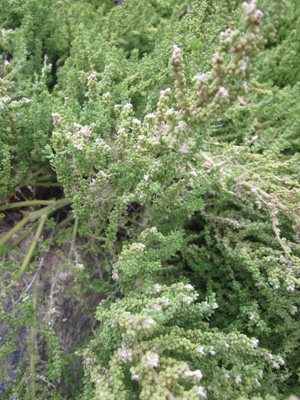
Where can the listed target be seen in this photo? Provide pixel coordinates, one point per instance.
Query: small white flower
(166, 302)
(150, 115)
(183, 149)
(115, 276)
(170, 111)
(290, 288)
(135, 377)
(5, 31)
(140, 246)
(124, 353)
(200, 350)
(197, 374)
(80, 267)
(270, 356)
(153, 229)
(238, 379)
(227, 345)
(257, 381)
(215, 305)
(157, 288)
(246, 87)
(281, 360)
(149, 321)
(201, 78)
(261, 373)
(85, 130)
(223, 93)
(152, 359)
(183, 368)
(189, 299)
(166, 91)
(182, 125)
(255, 342)
(56, 119)
(136, 121)
(157, 307)
(216, 55)
(201, 392)
(189, 287)
(127, 105)
(146, 177)
(212, 352)
(252, 316)
(91, 76)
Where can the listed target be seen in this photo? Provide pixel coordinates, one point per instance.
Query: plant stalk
(32, 338)
(20, 273)
(53, 206)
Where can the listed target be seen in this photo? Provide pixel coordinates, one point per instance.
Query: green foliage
(172, 127)
(157, 336)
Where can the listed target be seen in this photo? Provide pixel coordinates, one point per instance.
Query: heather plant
(159, 337)
(174, 137)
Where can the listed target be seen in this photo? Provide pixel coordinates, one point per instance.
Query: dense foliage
(171, 128)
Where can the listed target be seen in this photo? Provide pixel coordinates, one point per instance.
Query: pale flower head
(91, 76)
(197, 374)
(182, 125)
(201, 392)
(149, 321)
(124, 353)
(281, 360)
(201, 78)
(157, 288)
(152, 359)
(201, 351)
(166, 302)
(115, 276)
(223, 93)
(189, 299)
(165, 92)
(149, 116)
(183, 149)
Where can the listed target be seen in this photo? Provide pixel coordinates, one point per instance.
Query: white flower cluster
(152, 359)
(197, 374)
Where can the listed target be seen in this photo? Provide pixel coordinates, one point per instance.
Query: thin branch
(36, 273)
